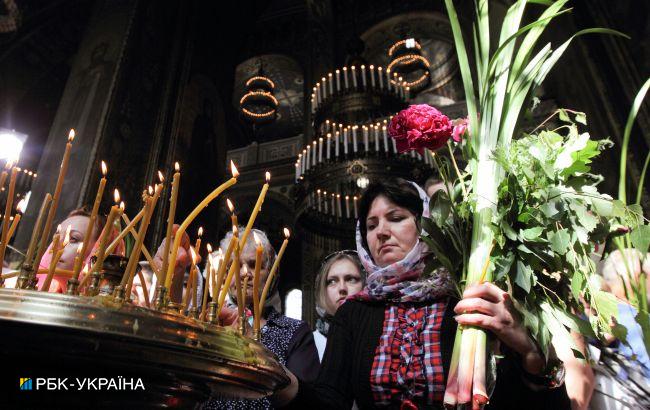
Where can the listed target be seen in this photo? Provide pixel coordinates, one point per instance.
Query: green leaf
(573, 322)
(507, 230)
(606, 305)
(577, 284)
(440, 207)
(644, 321)
(563, 115)
(560, 241)
(641, 238)
(581, 118)
(638, 100)
(642, 178)
(502, 265)
(533, 234)
(524, 276)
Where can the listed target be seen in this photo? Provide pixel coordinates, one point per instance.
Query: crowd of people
(384, 334)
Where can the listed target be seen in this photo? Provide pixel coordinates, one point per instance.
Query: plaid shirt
(408, 360)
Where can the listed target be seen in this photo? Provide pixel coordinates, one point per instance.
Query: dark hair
(398, 191)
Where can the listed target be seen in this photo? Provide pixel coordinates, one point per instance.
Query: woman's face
(78, 225)
(343, 280)
(247, 269)
(391, 231)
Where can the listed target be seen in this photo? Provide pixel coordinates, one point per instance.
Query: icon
(25, 383)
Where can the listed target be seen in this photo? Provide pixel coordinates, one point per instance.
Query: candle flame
(122, 205)
(209, 248)
(22, 204)
(200, 231)
(104, 168)
(230, 205)
(71, 135)
(177, 166)
(150, 189)
(245, 269)
(193, 255)
(116, 196)
(161, 177)
(286, 233)
(85, 269)
(66, 238)
(347, 197)
(257, 239)
(268, 176)
(233, 170)
(235, 230)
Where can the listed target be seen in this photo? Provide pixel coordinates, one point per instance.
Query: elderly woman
(340, 276)
(290, 339)
(390, 347)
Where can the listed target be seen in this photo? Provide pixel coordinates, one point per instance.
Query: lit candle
(302, 162)
(363, 75)
(336, 144)
(408, 92)
(385, 135)
(329, 141)
(20, 210)
(318, 94)
(130, 228)
(78, 261)
(380, 74)
(7, 215)
(179, 234)
(233, 216)
(320, 149)
(274, 269)
(93, 218)
(234, 241)
(256, 210)
(189, 289)
(345, 77)
(338, 80)
(388, 82)
(308, 157)
(259, 249)
(297, 172)
(354, 138)
(37, 229)
(314, 152)
(319, 199)
(324, 81)
(327, 126)
(5, 174)
(401, 87)
(325, 202)
(365, 138)
(355, 207)
(347, 206)
(345, 141)
(338, 205)
(354, 76)
(207, 281)
(57, 195)
(331, 84)
(394, 145)
(135, 252)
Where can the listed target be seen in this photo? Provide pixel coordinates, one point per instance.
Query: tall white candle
(354, 76)
(345, 77)
(345, 141)
(336, 144)
(372, 76)
(408, 92)
(412, 154)
(354, 138)
(331, 83)
(388, 83)
(327, 126)
(401, 87)
(319, 200)
(297, 171)
(338, 80)
(365, 138)
(302, 162)
(314, 152)
(308, 157)
(394, 145)
(319, 98)
(320, 149)
(325, 201)
(356, 214)
(375, 131)
(385, 135)
(363, 75)
(333, 205)
(380, 74)
(324, 82)
(347, 206)
(329, 142)
(338, 205)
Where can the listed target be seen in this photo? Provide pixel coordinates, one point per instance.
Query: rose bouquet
(524, 213)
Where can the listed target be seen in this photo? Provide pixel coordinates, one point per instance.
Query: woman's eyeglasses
(350, 252)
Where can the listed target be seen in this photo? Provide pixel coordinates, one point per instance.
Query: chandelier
(407, 62)
(259, 105)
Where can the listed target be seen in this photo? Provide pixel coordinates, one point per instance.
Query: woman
(391, 346)
(291, 340)
(78, 221)
(340, 276)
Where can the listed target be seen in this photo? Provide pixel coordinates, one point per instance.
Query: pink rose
(460, 128)
(418, 127)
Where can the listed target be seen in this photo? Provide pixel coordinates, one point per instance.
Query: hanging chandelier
(407, 62)
(259, 105)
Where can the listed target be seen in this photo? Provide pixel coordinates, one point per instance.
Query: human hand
(487, 306)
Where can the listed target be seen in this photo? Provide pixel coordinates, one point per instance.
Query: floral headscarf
(402, 281)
